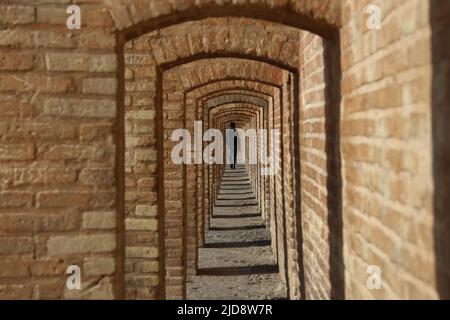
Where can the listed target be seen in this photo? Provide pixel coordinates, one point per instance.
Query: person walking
(232, 145)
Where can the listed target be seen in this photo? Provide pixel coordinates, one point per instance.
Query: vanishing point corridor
(236, 261)
(115, 179)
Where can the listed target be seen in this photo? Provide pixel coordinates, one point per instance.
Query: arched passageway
(106, 159)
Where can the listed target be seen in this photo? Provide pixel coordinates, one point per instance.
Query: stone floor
(237, 260)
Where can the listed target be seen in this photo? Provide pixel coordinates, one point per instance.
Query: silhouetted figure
(233, 147)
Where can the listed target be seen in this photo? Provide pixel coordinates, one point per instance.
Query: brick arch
(149, 282)
(159, 73)
(251, 92)
(204, 92)
(234, 82)
(243, 114)
(219, 119)
(332, 148)
(257, 86)
(253, 113)
(243, 120)
(270, 86)
(236, 91)
(223, 87)
(132, 19)
(245, 105)
(235, 100)
(281, 64)
(192, 247)
(234, 112)
(228, 98)
(247, 96)
(218, 98)
(220, 52)
(230, 107)
(226, 92)
(224, 100)
(266, 88)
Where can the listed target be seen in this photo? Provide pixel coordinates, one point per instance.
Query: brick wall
(439, 21)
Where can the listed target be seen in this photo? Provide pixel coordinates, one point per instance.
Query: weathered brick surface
(363, 173)
(215, 67)
(60, 245)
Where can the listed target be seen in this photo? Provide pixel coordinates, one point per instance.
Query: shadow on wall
(334, 177)
(440, 24)
(332, 78)
(297, 179)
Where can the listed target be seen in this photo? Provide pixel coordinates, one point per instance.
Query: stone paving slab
(237, 203)
(235, 211)
(244, 287)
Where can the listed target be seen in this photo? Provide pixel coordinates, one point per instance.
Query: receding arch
(201, 56)
(304, 16)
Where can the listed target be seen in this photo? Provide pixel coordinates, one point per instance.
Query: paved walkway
(237, 260)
